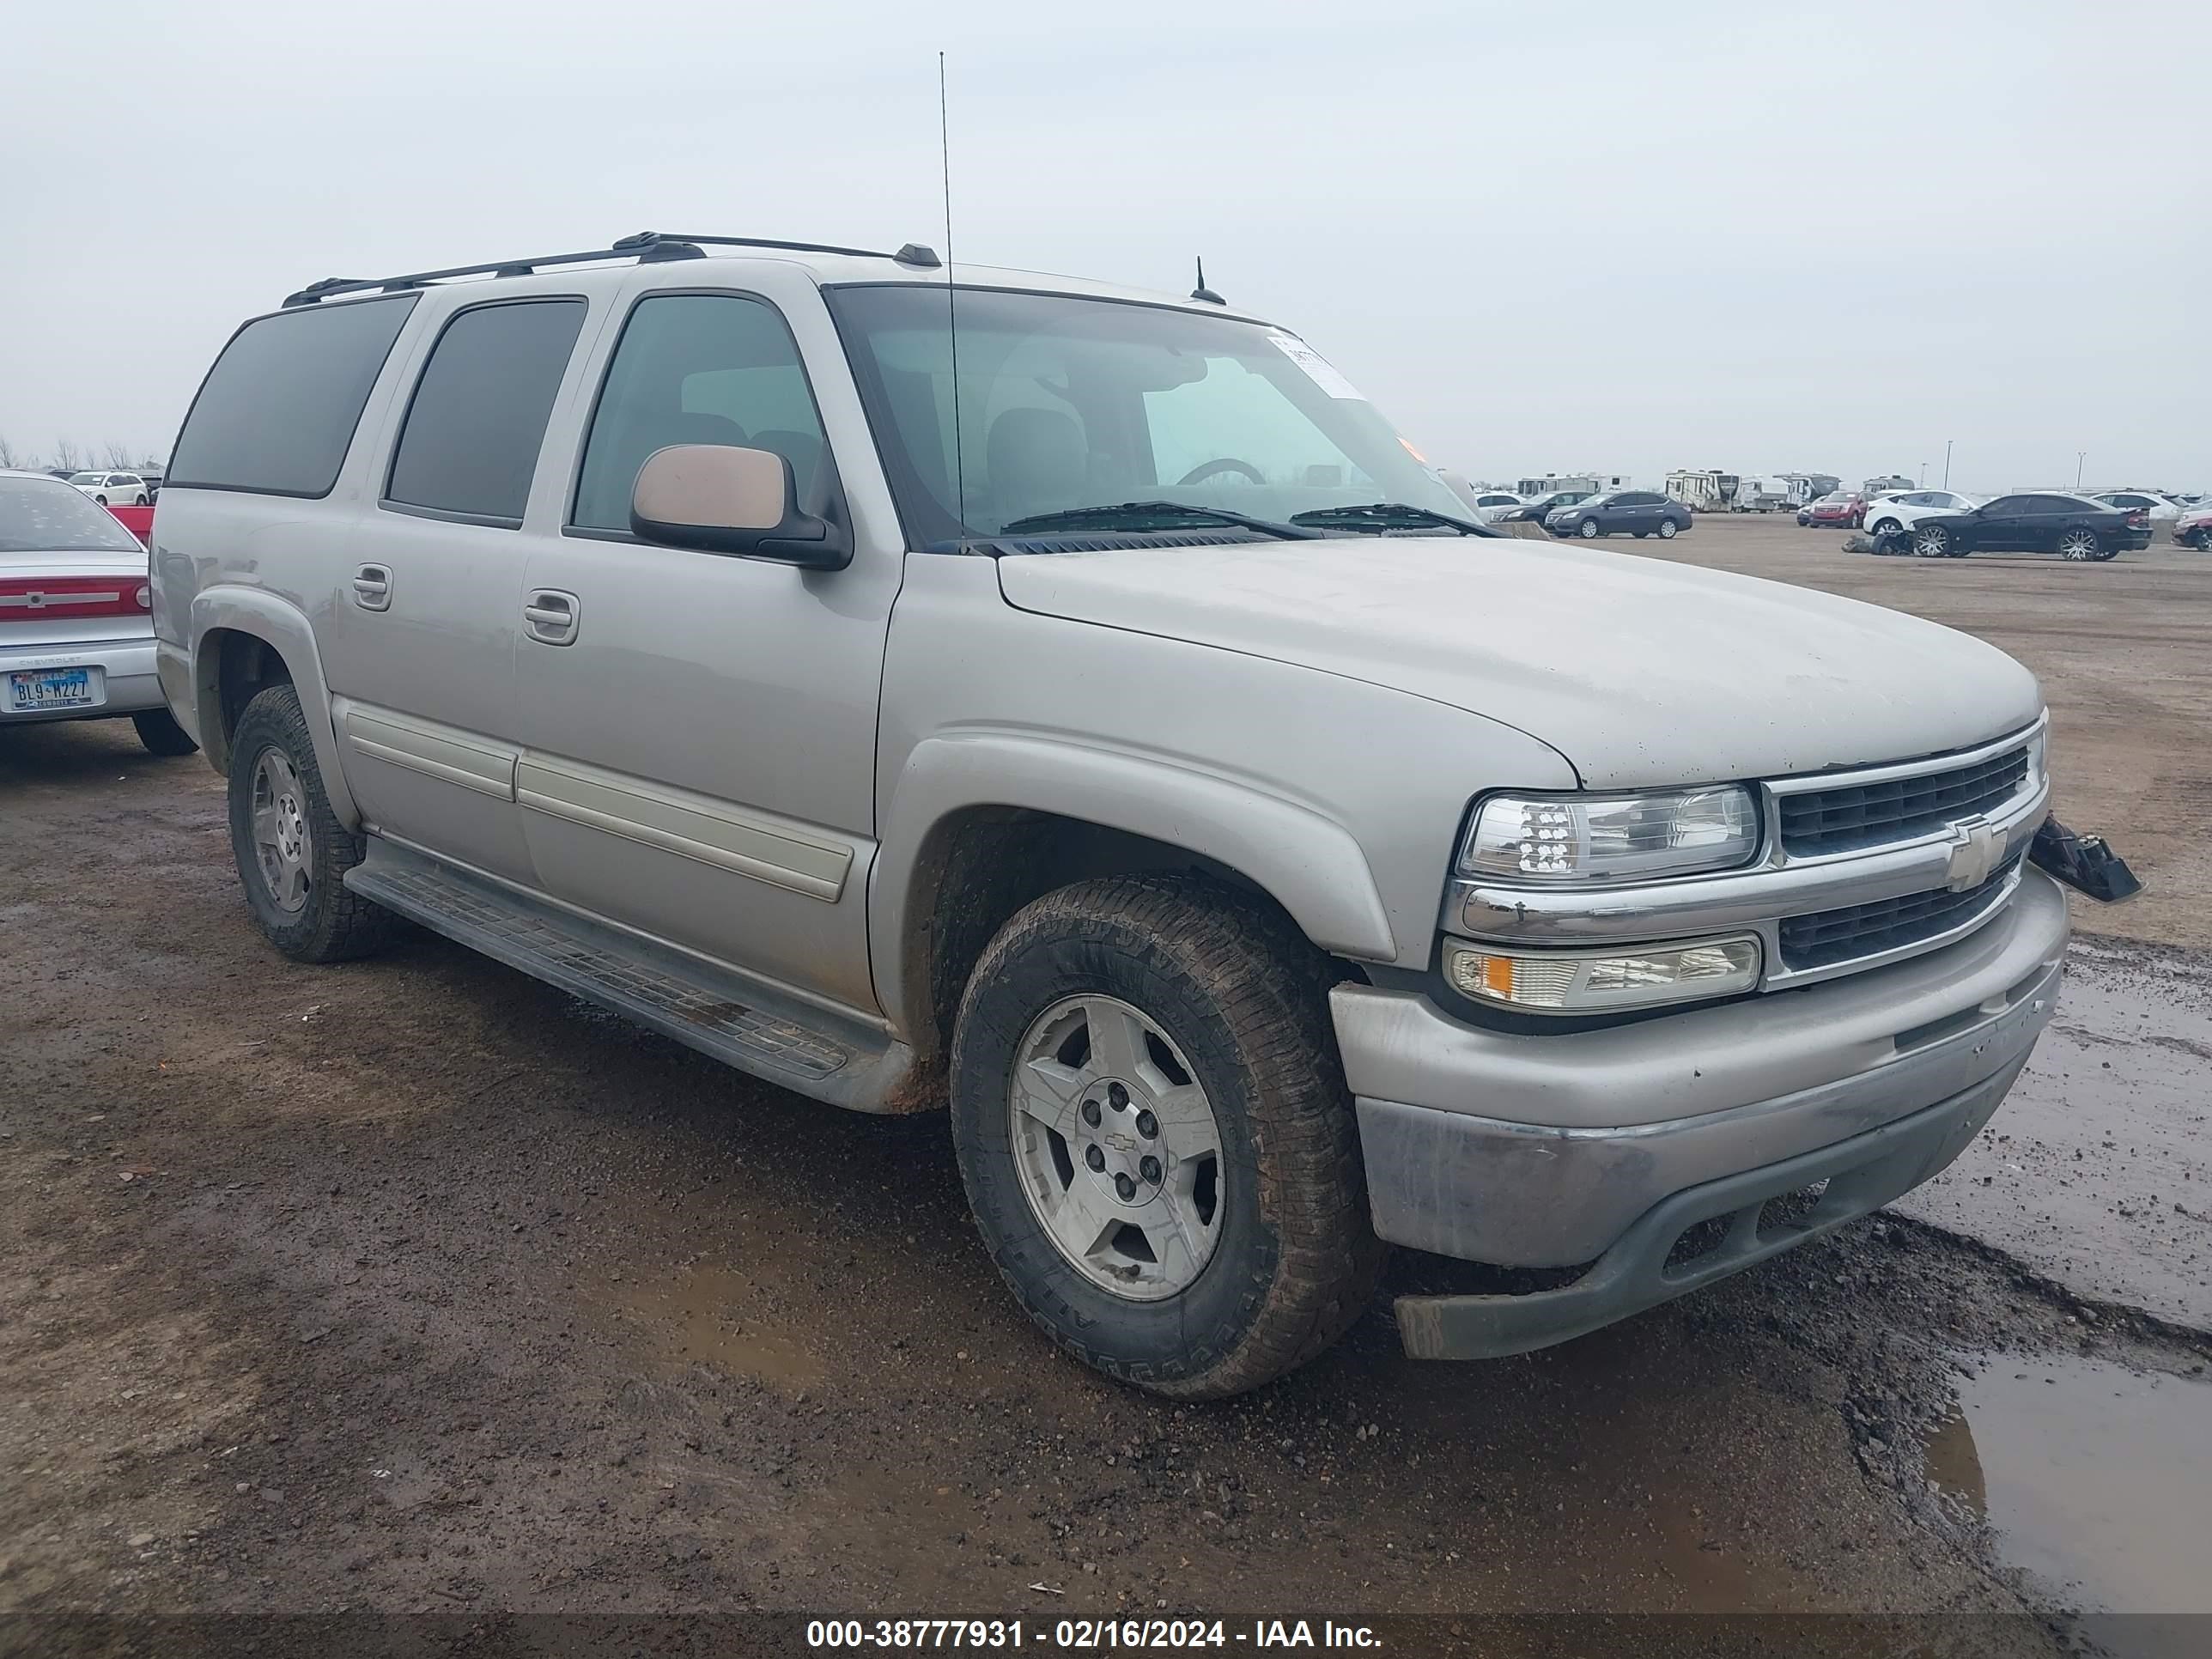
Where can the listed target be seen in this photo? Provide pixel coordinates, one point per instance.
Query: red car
(1839, 509)
(2194, 527)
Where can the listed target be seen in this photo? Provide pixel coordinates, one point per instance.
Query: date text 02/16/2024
(1083, 1634)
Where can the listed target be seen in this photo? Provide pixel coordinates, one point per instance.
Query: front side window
(468, 445)
(1068, 404)
(276, 413)
(698, 368)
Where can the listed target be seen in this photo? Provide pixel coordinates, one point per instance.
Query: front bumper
(1561, 1150)
(127, 676)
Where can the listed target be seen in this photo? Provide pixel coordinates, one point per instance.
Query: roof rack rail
(646, 247)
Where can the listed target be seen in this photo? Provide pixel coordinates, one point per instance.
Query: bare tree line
(70, 456)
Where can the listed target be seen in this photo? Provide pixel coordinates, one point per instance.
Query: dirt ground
(414, 1287)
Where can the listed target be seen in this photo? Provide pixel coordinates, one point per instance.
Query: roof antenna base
(1202, 292)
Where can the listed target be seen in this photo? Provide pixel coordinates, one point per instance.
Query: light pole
(1924, 475)
(1947, 463)
(2081, 456)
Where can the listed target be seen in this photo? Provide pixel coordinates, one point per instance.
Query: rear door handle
(372, 587)
(551, 616)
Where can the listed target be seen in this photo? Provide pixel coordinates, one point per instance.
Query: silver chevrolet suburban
(1082, 705)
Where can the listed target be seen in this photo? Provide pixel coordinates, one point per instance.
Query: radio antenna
(951, 305)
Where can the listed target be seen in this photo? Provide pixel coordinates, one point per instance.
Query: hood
(1640, 671)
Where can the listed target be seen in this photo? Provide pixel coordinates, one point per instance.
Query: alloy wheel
(282, 846)
(1117, 1147)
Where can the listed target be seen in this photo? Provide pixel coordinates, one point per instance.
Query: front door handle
(550, 617)
(372, 587)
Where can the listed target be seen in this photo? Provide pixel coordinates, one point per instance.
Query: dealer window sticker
(1318, 369)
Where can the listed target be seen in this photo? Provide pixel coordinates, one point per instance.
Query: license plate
(40, 690)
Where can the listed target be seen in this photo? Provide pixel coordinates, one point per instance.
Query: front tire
(158, 730)
(1153, 1129)
(102, 499)
(1588, 530)
(291, 850)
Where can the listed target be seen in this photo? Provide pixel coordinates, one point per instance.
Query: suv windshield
(38, 515)
(1068, 404)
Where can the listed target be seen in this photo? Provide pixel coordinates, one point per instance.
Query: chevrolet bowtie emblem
(1978, 848)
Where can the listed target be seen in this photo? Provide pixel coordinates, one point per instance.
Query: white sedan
(112, 489)
(1901, 509)
(2161, 509)
(1491, 505)
(76, 615)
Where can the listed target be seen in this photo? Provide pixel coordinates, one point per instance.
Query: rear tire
(141, 499)
(2080, 546)
(1237, 1000)
(1933, 541)
(158, 730)
(314, 918)
(1667, 530)
(1887, 527)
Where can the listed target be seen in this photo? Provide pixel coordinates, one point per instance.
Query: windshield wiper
(1378, 516)
(1147, 515)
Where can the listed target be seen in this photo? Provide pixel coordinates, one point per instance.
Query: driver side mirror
(718, 498)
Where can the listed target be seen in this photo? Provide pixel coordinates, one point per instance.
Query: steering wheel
(1206, 470)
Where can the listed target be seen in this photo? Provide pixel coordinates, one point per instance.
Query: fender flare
(1308, 863)
(284, 628)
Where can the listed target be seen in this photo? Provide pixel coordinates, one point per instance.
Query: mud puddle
(2097, 1480)
(2097, 1171)
(704, 1315)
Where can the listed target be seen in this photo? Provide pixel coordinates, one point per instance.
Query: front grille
(1853, 817)
(1828, 937)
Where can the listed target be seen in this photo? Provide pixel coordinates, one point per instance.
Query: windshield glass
(38, 515)
(1067, 402)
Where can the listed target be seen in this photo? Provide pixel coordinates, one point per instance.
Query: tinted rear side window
(279, 408)
(470, 443)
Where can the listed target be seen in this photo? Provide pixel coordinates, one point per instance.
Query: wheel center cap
(1112, 1143)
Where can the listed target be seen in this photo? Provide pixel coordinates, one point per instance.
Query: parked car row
(2074, 527)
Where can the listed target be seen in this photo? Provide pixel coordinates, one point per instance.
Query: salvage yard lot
(2124, 653)
(415, 1284)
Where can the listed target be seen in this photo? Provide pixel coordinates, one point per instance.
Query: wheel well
(241, 666)
(981, 865)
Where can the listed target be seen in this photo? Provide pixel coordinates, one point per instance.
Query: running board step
(769, 1033)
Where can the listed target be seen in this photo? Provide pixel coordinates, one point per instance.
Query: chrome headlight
(1612, 837)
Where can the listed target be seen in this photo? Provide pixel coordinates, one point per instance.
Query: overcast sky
(1541, 236)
